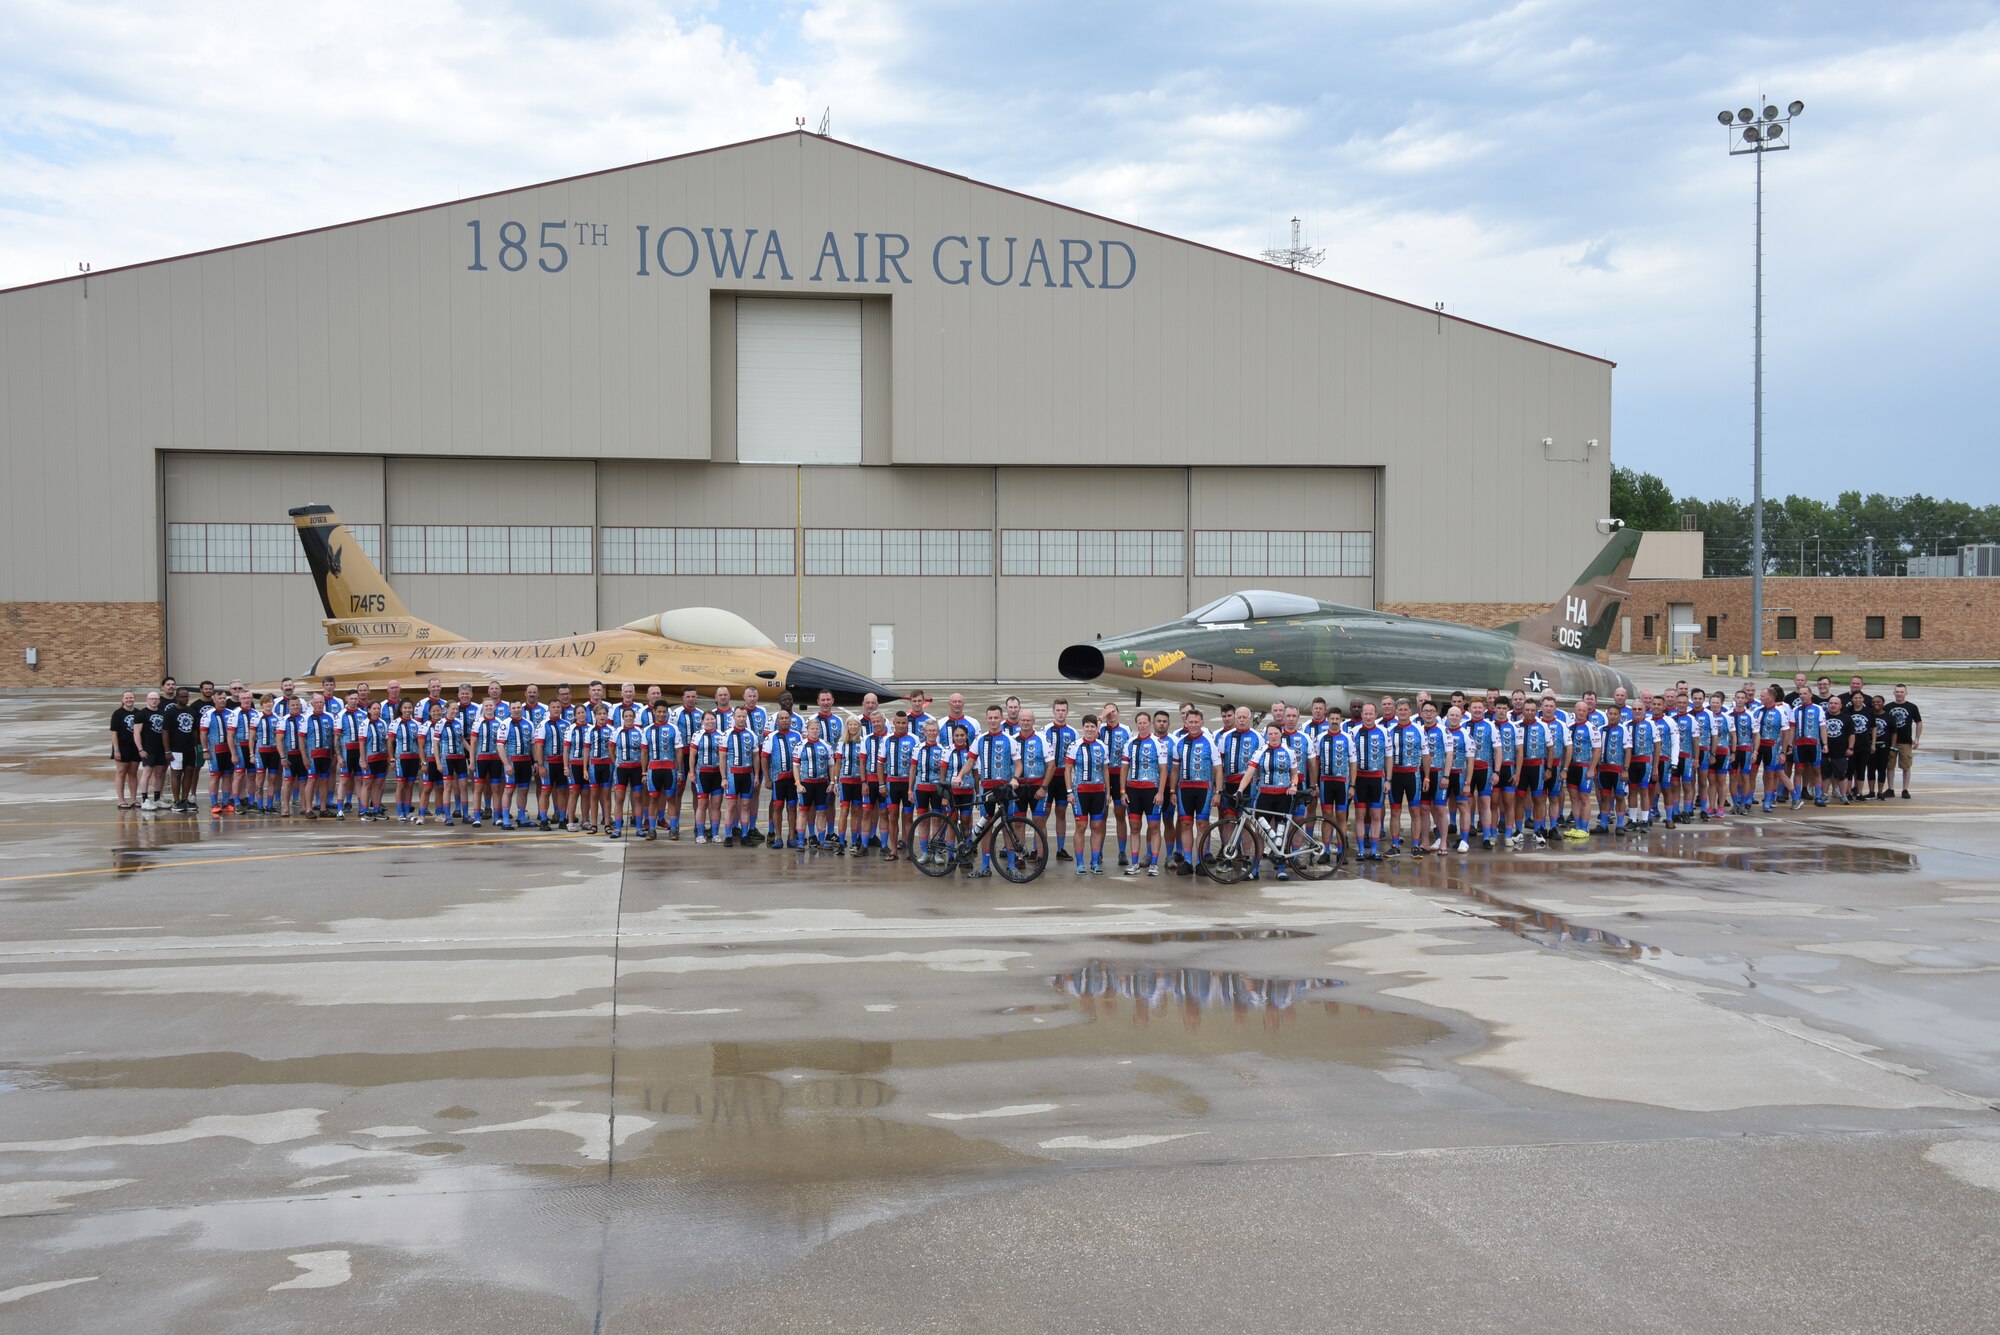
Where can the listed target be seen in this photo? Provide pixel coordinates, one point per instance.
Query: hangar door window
(489, 549)
(697, 551)
(899, 551)
(1263, 552)
(251, 549)
(1068, 551)
(798, 381)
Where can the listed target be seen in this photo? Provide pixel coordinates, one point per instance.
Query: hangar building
(929, 428)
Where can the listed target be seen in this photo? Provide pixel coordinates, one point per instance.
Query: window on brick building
(1913, 628)
(1648, 631)
(1875, 629)
(1822, 628)
(1788, 628)
(1711, 628)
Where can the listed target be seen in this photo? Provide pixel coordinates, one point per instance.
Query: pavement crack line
(611, 1096)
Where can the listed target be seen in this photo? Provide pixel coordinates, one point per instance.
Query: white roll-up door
(798, 381)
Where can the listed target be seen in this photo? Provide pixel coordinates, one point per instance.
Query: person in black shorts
(125, 750)
(1837, 749)
(1859, 712)
(151, 725)
(184, 749)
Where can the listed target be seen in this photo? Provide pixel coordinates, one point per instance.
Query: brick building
(1882, 618)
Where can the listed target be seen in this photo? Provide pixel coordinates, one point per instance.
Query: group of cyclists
(1508, 771)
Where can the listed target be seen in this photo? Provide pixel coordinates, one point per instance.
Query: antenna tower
(825, 122)
(1297, 255)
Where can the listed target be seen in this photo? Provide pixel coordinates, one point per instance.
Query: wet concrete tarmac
(260, 1075)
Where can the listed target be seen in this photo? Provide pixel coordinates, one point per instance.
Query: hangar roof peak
(803, 136)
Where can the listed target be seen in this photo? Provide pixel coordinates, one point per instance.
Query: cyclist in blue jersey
(850, 759)
(518, 752)
(1332, 774)
(1197, 770)
(780, 751)
(628, 786)
(406, 748)
(1148, 760)
(1116, 738)
(1613, 744)
(1458, 774)
(1274, 774)
(996, 765)
(707, 760)
(896, 751)
(812, 769)
(1406, 763)
(742, 748)
(1086, 770)
(1059, 737)
(1808, 744)
(374, 760)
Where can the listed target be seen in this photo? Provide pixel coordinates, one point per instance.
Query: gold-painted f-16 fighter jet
(1256, 646)
(374, 639)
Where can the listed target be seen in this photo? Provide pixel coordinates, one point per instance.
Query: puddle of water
(1961, 753)
(1812, 860)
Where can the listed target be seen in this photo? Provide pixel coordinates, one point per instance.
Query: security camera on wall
(1610, 525)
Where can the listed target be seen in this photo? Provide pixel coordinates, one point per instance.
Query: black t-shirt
(1836, 734)
(1792, 698)
(153, 731)
(1861, 716)
(122, 720)
(183, 728)
(1903, 716)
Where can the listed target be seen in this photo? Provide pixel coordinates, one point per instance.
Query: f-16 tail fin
(360, 606)
(1581, 620)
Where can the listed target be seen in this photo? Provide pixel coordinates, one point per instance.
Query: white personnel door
(882, 652)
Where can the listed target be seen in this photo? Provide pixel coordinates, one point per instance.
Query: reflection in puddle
(1960, 753)
(1207, 934)
(1098, 986)
(1811, 860)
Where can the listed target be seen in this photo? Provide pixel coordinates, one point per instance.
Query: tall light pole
(1750, 132)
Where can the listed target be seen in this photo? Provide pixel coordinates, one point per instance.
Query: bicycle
(1017, 844)
(1314, 849)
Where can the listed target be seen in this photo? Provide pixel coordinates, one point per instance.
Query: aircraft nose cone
(809, 676)
(1081, 662)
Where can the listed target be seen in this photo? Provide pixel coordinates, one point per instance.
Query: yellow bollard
(1714, 664)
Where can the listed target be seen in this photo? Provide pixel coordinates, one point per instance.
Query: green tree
(1643, 501)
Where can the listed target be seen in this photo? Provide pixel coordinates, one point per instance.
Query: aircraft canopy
(1254, 605)
(703, 625)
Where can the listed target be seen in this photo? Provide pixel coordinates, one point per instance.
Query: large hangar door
(798, 381)
(239, 600)
(1296, 530)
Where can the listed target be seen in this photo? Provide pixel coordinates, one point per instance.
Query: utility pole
(1758, 135)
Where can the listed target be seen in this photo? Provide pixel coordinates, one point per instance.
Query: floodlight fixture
(1795, 108)
(1726, 117)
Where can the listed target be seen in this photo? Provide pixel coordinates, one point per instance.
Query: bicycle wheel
(934, 844)
(1322, 857)
(1020, 850)
(1225, 861)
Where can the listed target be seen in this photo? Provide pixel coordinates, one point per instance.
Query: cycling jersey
(1197, 759)
(1276, 767)
(1089, 764)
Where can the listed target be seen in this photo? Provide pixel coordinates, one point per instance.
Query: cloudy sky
(1551, 167)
